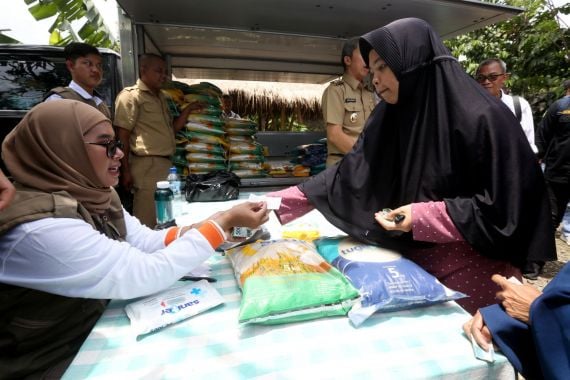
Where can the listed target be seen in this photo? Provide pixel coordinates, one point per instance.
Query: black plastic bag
(212, 187)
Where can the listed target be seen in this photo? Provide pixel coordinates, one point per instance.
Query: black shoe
(532, 269)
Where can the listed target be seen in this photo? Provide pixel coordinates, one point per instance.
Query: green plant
(93, 31)
(534, 46)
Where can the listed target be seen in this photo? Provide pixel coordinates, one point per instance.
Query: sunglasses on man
(491, 77)
(110, 145)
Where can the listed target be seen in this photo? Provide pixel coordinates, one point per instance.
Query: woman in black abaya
(448, 157)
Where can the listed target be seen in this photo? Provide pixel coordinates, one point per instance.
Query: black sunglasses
(111, 146)
(491, 77)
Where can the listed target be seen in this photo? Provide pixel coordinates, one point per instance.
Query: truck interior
(296, 41)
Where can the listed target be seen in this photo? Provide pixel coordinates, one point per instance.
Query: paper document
(273, 203)
(488, 356)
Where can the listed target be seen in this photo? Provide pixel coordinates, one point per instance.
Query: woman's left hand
(476, 327)
(390, 221)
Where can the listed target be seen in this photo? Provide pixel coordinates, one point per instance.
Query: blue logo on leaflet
(179, 307)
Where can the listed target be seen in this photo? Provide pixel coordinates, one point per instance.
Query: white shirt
(68, 257)
(527, 123)
(77, 88)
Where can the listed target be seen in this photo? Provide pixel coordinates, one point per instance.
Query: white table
(424, 343)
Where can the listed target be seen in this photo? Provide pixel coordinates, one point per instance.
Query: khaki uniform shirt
(146, 115)
(346, 102)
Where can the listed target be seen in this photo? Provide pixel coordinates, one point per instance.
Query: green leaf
(54, 37)
(87, 30)
(43, 10)
(4, 39)
(92, 31)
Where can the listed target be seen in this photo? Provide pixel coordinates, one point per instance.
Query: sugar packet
(171, 306)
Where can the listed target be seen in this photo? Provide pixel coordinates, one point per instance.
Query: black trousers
(559, 195)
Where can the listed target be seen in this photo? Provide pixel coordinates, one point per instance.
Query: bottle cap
(173, 170)
(163, 184)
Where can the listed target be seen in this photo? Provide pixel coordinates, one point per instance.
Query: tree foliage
(93, 30)
(533, 45)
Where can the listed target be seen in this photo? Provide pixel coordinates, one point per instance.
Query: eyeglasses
(491, 77)
(111, 145)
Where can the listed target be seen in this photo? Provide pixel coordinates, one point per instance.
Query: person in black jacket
(553, 142)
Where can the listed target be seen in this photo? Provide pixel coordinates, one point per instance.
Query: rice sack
(287, 281)
(385, 279)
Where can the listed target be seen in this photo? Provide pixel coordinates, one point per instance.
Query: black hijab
(447, 140)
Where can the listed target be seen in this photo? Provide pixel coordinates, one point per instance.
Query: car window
(25, 79)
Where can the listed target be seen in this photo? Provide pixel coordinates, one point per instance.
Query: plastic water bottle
(163, 202)
(174, 180)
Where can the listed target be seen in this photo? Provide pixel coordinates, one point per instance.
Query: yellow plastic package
(300, 230)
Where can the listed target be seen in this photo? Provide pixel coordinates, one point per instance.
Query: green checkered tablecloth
(423, 343)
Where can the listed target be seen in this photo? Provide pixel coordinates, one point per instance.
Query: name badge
(350, 100)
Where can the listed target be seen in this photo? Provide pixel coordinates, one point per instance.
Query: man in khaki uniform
(144, 123)
(346, 104)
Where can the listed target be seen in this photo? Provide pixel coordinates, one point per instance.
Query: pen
(197, 278)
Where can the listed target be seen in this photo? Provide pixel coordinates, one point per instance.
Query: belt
(336, 154)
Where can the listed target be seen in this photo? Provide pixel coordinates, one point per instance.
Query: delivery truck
(295, 41)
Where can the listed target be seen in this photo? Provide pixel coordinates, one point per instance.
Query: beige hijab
(46, 151)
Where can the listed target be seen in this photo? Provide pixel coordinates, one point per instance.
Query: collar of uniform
(142, 86)
(84, 94)
(351, 81)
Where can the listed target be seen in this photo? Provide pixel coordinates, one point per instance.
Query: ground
(553, 267)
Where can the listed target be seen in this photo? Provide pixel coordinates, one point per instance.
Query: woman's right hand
(247, 214)
(515, 298)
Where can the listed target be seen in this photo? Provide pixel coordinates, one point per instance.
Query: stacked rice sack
(280, 168)
(201, 145)
(245, 156)
(310, 159)
(206, 149)
(174, 93)
(210, 143)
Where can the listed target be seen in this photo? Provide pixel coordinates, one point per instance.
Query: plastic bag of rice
(386, 280)
(287, 281)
